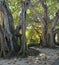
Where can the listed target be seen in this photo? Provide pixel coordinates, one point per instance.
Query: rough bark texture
(8, 38)
(47, 35)
(23, 44)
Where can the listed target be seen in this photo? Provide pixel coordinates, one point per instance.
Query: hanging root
(2, 45)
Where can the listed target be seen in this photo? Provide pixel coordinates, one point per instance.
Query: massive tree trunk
(9, 38)
(11, 29)
(48, 35)
(23, 47)
(44, 37)
(10, 34)
(2, 46)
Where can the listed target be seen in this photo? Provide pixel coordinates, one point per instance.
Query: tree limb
(54, 20)
(40, 19)
(26, 2)
(44, 8)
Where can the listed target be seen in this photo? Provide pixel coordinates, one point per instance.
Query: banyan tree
(47, 35)
(48, 25)
(8, 40)
(9, 35)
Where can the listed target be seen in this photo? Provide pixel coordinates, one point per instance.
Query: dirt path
(45, 57)
(56, 62)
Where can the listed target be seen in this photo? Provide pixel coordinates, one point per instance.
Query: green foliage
(31, 34)
(32, 37)
(53, 6)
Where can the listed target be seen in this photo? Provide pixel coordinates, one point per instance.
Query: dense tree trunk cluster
(8, 39)
(47, 30)
(9, 35)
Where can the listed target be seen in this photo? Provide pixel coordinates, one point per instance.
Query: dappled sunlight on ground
(45, 56)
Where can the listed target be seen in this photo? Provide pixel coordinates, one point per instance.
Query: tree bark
(24, 47)
(47, 34)
(9, 38)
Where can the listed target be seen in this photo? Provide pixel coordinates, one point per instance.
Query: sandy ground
(45, 57)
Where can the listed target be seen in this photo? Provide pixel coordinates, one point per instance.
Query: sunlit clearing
(28, 11)
(56, 38)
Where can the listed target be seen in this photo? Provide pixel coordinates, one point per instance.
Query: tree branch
(54, 20)
(24, 8)
(44, 7)
(40, 19)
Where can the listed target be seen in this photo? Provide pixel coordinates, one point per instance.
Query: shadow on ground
(56, 62)
(33, 52)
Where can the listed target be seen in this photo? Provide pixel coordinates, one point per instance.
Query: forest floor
(42, 56)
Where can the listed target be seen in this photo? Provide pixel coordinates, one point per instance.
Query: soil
(37, 56)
